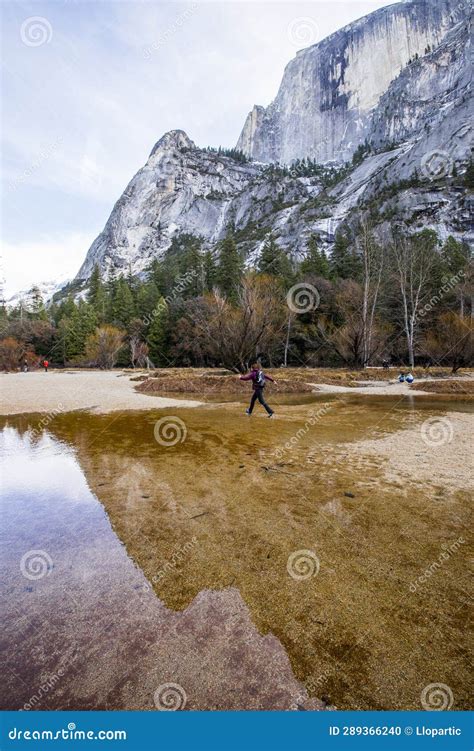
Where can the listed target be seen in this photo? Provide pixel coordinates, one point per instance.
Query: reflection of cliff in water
(84, 630)
(220, 510)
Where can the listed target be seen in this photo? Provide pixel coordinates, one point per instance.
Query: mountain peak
(173, 139)
(330, 90)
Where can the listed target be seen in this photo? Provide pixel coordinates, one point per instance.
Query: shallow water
(169, 563)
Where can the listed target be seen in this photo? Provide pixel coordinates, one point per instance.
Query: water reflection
(81, 627)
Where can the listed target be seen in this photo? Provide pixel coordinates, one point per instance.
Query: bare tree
(452, 342)
(235, 334)
(103, 346)
(138, 352)
(372, 255)
(415, 261)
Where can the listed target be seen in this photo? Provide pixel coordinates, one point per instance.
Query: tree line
(404, 299)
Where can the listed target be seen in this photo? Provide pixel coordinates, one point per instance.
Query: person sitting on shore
(258, 378)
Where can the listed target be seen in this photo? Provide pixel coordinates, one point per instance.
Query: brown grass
(464, 387)
(212, 384)
(206, 381)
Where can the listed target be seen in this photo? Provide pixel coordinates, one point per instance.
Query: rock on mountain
(179, 188)
(330, 91)
(397, 80)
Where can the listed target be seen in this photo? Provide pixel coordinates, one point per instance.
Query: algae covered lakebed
(254, 563)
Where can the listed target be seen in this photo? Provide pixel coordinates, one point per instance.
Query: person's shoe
(269, 416)
(247, 412)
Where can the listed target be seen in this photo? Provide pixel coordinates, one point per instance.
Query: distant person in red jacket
(258, 378)
(45, 365)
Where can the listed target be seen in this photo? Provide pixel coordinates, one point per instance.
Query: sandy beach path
(68, 390)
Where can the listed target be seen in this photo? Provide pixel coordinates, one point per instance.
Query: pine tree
(209, 271)
(72, 343)
(156, 276)
(86, 321)
(274, 261)
(36, 305)
(191, 268)
(96, 295)
(123, 306)
(148, 296)
(156, 335)
(230, 269)
(345, 263)
(316, 261)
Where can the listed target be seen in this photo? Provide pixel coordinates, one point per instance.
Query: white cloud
(42, 260)
(82, 112)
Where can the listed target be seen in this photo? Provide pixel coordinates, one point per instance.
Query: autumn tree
(451, 342)
(13, 352)
(103, 346)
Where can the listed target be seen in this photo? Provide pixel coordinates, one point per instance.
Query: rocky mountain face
(396, 81)
(330, 91)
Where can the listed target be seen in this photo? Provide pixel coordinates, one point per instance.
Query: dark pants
(258, 394)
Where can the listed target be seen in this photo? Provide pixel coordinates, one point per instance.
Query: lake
(200, 559)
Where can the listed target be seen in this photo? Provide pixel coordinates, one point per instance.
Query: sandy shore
(68, 390)
(104, 391)
(381, 388)
(437, 451)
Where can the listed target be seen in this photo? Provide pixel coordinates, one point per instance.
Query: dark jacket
(253, 376)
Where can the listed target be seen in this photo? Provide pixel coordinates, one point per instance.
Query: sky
(89, 86)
